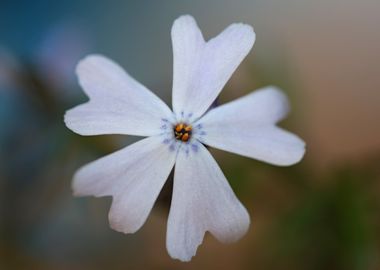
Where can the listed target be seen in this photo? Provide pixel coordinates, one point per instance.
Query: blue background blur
(320, 214)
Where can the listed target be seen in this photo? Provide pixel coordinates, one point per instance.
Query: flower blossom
(202, 199)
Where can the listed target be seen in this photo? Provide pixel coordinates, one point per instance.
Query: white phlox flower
(202, 199)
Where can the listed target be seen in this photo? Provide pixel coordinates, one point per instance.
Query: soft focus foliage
(320, 214)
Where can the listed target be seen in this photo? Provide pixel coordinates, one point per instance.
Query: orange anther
(182, 132)
(179, 127)
(185, 137)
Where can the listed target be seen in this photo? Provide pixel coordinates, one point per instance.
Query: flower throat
(182, 132)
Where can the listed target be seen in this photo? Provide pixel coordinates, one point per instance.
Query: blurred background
(322, 213)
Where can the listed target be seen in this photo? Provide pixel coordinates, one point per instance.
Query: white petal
(134, 177)
(247, 127)
(264, 106)
(202, 201)
(202, 69)
(118, 103)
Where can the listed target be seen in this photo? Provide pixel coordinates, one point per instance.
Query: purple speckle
(194, 147)
(165, 120)
(163, 127)
(199, 126)
(203, 133)
(166, 141)
(172, 147)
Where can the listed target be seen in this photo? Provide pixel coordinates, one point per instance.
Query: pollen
(182, 132)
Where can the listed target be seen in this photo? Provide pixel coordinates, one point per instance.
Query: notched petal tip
(119, 226)
(236, 232)
(186, 258)
(302, 152)
(183, 259)
(82, 184)
(244, 27)
(246, 31)
(89, 60)
(76, 186)
(185, 18)
(184, 255)
(185, 25)
(274, 89)
(90, 65)
(74, 122)
(67, 120)
(296, 157)
(279, 97)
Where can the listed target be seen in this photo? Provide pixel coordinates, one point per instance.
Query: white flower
(202, 199)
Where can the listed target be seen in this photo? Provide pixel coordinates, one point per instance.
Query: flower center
(182, 132)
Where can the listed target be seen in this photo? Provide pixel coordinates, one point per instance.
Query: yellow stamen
(182, 132)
